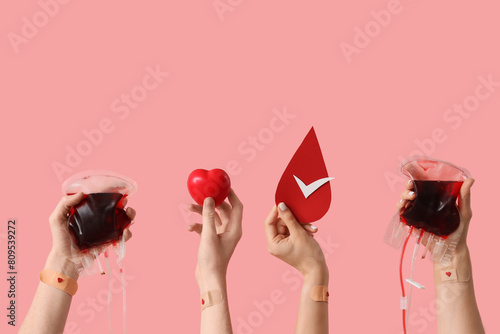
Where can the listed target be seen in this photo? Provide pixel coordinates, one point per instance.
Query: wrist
(208, 280)
(460, 256)
(319, 275)
(212, 284)
(458, 271)
(62, 264)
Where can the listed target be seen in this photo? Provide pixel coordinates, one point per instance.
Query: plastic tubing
(110, 287)
(412, 272)
(401, 278)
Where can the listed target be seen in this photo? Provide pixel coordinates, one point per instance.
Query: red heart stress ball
(214, 183)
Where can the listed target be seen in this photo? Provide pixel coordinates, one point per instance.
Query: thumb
(464, 199)
(60, 214)
(287, 216)
(209, 230)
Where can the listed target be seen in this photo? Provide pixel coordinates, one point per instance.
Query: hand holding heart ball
(214, 183)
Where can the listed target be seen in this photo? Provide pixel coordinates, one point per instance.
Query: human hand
(59, 258)
(464, 208)
(219, 235)
(292, 242)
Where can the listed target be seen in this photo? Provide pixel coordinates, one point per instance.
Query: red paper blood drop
(305, 186)
(202, 302)
(59, 279)
(214, 183)
(448, 273)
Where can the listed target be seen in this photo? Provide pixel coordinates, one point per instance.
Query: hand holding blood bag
(434, 209)
(434, 212)
(99, 219)
(98, 222)
(436, 185)
(432, 217)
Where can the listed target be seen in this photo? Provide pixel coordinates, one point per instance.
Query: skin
(50, 307)
(458, 313)
(294, 244)
(219, 235)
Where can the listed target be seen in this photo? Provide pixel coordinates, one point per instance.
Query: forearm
(50, 307)
(313, 315)
(215, 319)
(457, 308)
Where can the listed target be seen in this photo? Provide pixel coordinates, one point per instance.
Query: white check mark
(307, 190)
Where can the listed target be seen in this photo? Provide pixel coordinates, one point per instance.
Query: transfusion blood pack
(432, 217)
(99, 219)
(97, 224)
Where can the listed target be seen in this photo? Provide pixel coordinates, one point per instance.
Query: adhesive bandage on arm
(210, 298)
(59, 281)
(319, 293)
(453, 275)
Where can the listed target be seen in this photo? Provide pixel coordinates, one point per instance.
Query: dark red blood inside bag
(98, 219)
(434, 208)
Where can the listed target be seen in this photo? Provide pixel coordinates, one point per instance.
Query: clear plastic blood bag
(433, 214)
(96, 224)
(432, 217)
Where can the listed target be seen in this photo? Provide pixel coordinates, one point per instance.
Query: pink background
(226, 76)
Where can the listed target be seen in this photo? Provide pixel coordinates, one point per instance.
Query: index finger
(236, 215)
(291, 222)
(237, 206)
(464, 198)
(270, 225)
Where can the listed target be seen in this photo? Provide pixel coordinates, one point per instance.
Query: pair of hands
(288, 240)
(60, 255)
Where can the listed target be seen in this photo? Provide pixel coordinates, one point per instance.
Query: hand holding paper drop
(214, 183)
(305, 185)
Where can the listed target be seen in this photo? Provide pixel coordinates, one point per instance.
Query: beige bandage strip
(211, 298)
(59, 281)
(457, 275)
(319, 293)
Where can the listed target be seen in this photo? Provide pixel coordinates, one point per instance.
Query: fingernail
(401, 200)
(410, 193)
(314, 227)
(283, 206)
(409, 181)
